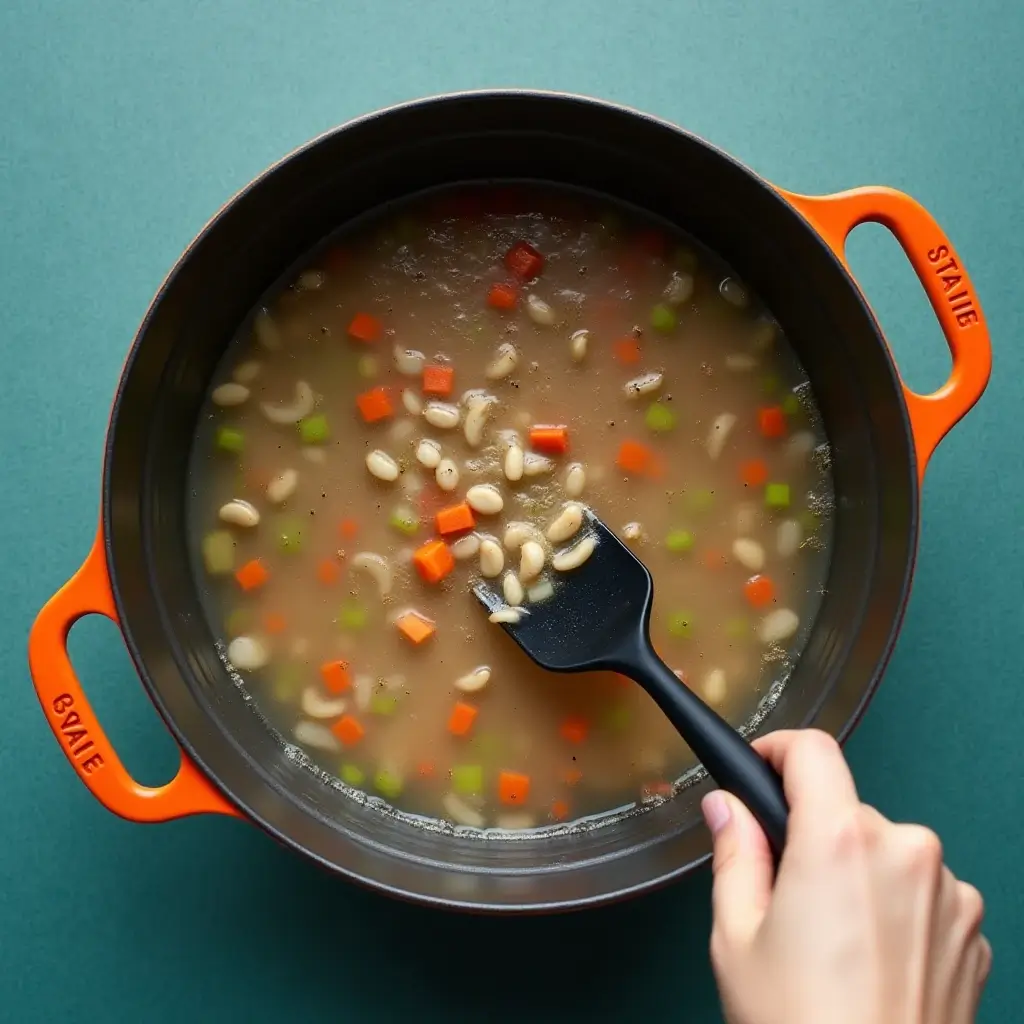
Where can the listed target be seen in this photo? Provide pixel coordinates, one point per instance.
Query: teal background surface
(123, 127)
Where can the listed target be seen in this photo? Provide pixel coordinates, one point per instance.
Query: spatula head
(597, 612)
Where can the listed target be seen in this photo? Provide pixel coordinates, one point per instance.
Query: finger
(971, 983)
(743, 870)
(817, 780)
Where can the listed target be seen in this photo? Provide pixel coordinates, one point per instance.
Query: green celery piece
(286, 682)
(791, 405)
(663, 318)
(702, 499)
(776, 496)
(388, 783)
(383, 704)
(618, 719)
(468, 779)
(367, 367)
(404, 520)
(353, 615)
(679, 541)
(289, 536)
(660, 418)
(352, 774)
(314, 429)
(230, 440)
(680, 625)
(219, 552)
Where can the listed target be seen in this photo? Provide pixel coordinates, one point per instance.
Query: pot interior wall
(383, 158)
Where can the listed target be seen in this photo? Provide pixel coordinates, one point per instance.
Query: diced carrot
(365, 327)
(713, 559)
(524, 261)
(415, 627)
(328, 571)
(348, 730)
(433, 561)
(572, 776)
(771, 421)
(274, 622)
(513, 787)
(438, 380)
(502, 296)
(461, 719)
(375, 405)
(627, 350)
(426, 769)
(336, 676)
(574, 729)
(650, 789)
(554, 440)
(634, 457)
(754, 473)
(348, 528)
(252, 575)
(559, 810)
(759, 591)
(454, 519)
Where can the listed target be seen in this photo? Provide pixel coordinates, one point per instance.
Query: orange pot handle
(74, 723)
(945, 281)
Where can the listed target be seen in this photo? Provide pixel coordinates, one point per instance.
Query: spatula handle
(730, 760)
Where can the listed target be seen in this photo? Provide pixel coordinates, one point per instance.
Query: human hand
(864, 924)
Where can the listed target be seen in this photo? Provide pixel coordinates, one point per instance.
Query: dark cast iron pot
(788, 248)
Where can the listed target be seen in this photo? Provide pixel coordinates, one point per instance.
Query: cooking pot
(788, 248)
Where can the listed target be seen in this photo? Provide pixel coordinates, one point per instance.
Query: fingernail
(716, 811)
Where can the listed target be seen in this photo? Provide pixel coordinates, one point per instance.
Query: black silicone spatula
(598, 618)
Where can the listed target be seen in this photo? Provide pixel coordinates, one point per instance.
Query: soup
(429, 400)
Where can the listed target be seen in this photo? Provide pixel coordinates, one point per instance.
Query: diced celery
(314, 429)
(229, 439)
(367, 367)
(289, 536)
(540, 591)
(663, 318)
(809, 520)
(219, 552)
(352, 615)
(702, 499)
(660, 418)
(770, 384)
(383, 704)
(618, 719)
(791, 405)
(680, 625)
(286, 682)
(776, 496)
(679, 541)
(352, 774)
(468, 779)
(405, 520)
(388, 783)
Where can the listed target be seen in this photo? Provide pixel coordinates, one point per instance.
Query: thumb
(743, 869)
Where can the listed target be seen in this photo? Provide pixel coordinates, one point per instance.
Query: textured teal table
(125, 125)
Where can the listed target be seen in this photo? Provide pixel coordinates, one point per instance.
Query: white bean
(508, 616)
(428, 453)
(740, 362)
(247, 654)
(679, 289)
(476, 419)
(283, 486)
(485, 499)
(377, 568)
(515, 821)
(714, 686)
(539, 311)
(401, 431)
(382, 466)
(315, 734)
(578, 345)
(267, 334)
(239, 512)
(466, 547)
(447, 475)
(229, 394)
(408, 361)
(460, 812)
(633, 531)
(310, 280)
(514, 463)
(540, 591)
(247, 372)
(512, 588)
(564, 561)
(575, 479)
(505, 360)
(412, 402)
(719, 433)
(567, 524)
(473, 681)
(316, 705)
(788, 536)
(442, 415)
(517, 534)
(291, 412)
(733, 292)
(535, 465)
(778, 625)
(531, 561)
(800, 445)
(748, 553)
(645, 384)
(492, 559)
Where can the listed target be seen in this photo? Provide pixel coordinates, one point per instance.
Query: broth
(404, 371)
